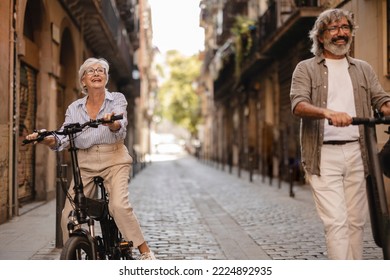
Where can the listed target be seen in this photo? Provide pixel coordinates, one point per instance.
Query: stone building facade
(43, 43)
(245, 84)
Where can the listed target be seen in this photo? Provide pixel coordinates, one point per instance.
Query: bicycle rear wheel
(77, 248)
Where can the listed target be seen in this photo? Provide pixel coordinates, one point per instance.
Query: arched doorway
(28, 99)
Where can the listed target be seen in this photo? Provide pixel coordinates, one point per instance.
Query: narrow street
(189, 209)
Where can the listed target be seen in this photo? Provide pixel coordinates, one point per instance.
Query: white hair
(88, 63)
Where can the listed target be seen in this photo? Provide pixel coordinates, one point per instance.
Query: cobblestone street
(191, 210)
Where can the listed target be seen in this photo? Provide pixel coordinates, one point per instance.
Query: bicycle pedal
(125, 244)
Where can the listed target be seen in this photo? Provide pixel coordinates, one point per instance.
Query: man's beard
(329, 45)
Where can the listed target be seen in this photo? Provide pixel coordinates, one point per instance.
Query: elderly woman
(101, 150)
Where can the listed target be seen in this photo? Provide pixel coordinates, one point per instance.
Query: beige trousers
(113, 163)
(341, 201)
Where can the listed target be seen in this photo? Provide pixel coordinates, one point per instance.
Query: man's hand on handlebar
(339, 119)
(385, 109)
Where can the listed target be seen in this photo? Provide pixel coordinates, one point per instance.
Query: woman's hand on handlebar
(49, 141)
(339, 119)
(112, 125)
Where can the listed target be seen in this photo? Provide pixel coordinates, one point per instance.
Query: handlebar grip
(113, 118)
(38, 139)
(26, 141)
(116, 117)
(356, 121)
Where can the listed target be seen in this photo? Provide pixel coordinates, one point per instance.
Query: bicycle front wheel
(77, 248)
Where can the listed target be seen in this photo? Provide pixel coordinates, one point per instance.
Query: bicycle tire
(77, 248)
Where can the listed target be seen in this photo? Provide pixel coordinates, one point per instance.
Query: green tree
(177, 98)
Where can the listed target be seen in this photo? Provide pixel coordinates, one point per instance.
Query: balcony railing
(104, 32)
(277, 25)
(276, 15)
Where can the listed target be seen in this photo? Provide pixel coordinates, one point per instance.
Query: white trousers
(341, 200)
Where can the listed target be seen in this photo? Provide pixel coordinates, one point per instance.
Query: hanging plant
(242, 34)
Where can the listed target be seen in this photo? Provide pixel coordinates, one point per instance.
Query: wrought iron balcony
(276, 30)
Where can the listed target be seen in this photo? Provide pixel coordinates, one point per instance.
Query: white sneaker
(147, 256)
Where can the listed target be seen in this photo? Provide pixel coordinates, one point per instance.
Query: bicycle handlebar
(366, 121)
(375, 120)
(71, 129)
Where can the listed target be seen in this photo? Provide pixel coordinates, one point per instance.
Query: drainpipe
(11, 111)
(12, 189)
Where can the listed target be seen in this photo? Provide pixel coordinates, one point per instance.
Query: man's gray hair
(88, 63)
(322, 22)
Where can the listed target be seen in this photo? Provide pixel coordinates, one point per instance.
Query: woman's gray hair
(322, 22)
(88, 63)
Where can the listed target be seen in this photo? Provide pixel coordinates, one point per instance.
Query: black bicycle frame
(378, 205)
(78, 188)
(80, 200)
(79, 196)
(376, 192)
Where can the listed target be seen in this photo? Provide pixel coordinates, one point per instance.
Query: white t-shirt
(341, 99)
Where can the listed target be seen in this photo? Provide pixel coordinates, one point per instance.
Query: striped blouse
(77, 113)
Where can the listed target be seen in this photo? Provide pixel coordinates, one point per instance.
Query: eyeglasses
(91, 71)
(335, 29)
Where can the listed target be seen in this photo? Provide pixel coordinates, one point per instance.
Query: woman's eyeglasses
(91, 71)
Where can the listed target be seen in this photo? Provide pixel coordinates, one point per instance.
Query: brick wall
(4, 166)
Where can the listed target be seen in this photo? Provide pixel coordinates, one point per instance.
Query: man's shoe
(147, 256)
